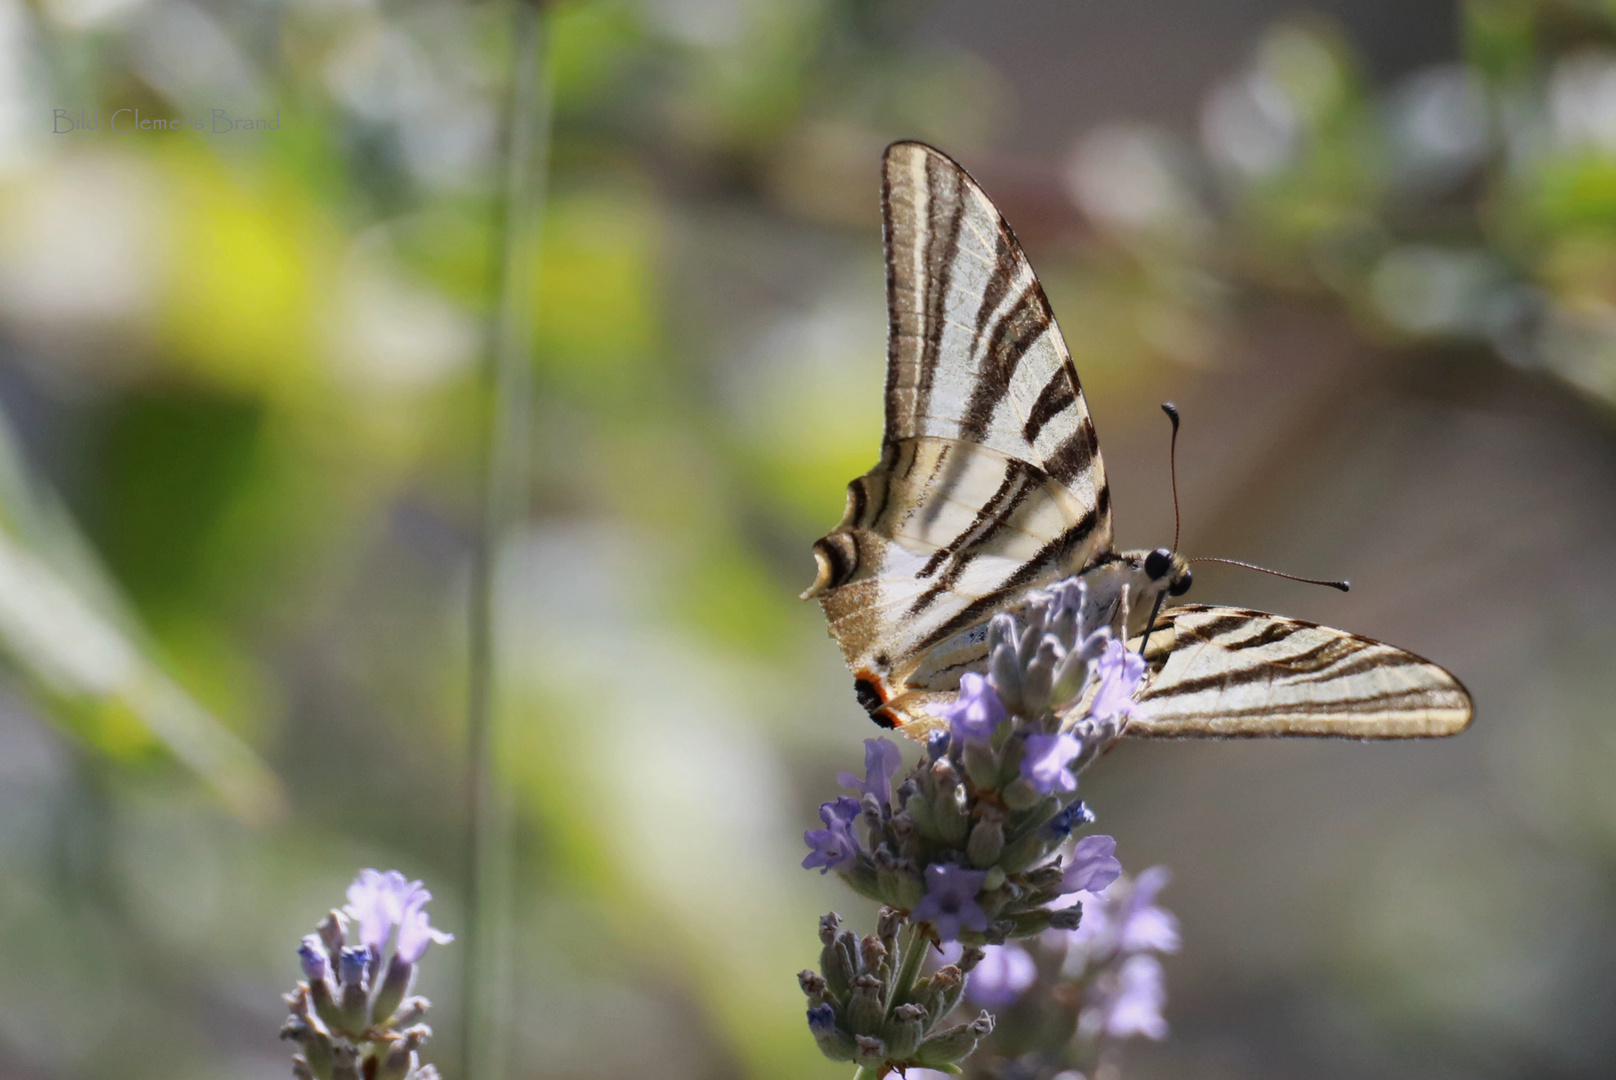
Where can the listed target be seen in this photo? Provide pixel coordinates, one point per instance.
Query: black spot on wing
(868, 694)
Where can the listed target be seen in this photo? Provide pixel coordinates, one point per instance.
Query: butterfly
(990, 486)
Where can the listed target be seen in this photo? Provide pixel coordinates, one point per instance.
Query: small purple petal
(881, 760)
(1094, 865)
(836, 845)
(415, 933)
(1147, 885)
(977, 713)
(378, 900)
(1001, 977)
(1044, 763)
(1135, 1006)
(1144, 925)
(1152, 928)
(1121, 673)
(950, 901)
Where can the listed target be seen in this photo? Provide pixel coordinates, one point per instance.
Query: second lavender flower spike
(353, 1016)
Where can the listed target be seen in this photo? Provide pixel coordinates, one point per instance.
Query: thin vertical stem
(505, 396)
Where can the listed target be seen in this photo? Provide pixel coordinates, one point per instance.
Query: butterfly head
(1149, 577)
(1168, 570)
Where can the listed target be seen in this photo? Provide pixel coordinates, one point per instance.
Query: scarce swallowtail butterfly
(990, 486)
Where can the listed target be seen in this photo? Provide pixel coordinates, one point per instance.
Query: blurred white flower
(1250, 125)
(1438, 123)
(1426, 289)
(1123, 175)
(1582, 100)
(82, 252)
(394, 334)
(183, 52)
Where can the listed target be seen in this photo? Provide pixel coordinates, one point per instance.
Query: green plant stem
(505, 394)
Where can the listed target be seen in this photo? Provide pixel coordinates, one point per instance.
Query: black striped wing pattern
(1231, 673)
(990, 482)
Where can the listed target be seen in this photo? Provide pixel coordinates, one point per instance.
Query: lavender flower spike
(1044, 765)
(364, 1023)
(977, 713)
(881, 760)
(950, 901)
(836, 845)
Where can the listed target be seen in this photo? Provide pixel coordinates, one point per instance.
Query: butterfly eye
(1157, 563)
(1182, 585)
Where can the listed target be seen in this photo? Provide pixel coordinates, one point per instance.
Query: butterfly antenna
(1342, 585)
(1172, 463)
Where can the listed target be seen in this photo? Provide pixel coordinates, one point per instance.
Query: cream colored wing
(990, 481)
(1221, 672)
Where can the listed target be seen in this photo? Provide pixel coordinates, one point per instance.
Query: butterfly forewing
(1229, 672)
(990, 481)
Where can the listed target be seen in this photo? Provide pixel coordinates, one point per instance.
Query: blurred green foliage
(247, 363)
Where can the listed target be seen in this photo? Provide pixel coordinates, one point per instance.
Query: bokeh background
(1369, 248)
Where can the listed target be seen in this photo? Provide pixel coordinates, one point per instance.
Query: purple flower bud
(950, 901)
(881, 761)
(1044, 763)
(312, 955)
(1074, 816)
(822, 1018)
(352, 965)
(977, 713)
(1002, 976)
(1094, 865)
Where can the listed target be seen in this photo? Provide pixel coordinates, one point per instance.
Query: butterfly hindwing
(990, 481)
(1223, 672)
